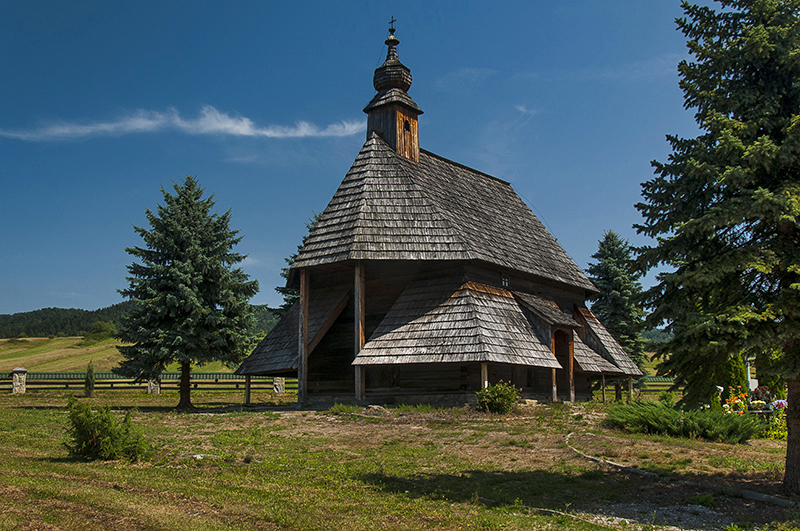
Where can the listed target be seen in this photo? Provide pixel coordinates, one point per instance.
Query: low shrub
(98, 434)
(88, 380)
(706, 500)
(499, 398)
(658, 418)
(776, 430)
(667, 398)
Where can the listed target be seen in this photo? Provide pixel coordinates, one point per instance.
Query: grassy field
(69, 354)
(275, 467)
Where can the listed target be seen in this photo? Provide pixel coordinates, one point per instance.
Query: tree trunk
(791, 478)
(185, 403)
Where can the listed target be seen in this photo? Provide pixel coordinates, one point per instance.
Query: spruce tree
(191, 303)
(725, 207)
(290, 295)
(618, 305)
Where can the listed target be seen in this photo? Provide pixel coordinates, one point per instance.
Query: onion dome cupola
(392, 113)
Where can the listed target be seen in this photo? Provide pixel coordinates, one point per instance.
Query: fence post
(154, 386)
(604, 388)
(18, 377)
(247, 390)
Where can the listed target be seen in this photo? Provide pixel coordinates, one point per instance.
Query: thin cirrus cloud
(464, 78)
(210, 122)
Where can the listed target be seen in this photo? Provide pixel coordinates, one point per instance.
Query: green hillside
(70, 354)
(58, 354)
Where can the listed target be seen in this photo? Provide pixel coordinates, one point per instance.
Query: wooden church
(425, 280)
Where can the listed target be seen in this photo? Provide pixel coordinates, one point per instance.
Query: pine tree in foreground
(617, 305)
(191, 304)
(725, 208)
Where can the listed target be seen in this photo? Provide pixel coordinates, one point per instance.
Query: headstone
(278, 385)
(153, 387)
(18, 377)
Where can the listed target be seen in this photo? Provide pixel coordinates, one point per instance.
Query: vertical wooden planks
(247, 384)
(571, 366)
(302, 347)
(554, 396)
(359, 324)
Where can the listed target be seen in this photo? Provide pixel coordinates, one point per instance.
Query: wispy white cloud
(463, 78)
(249, 261)
(245, 159)
(209, 122)
(525, 110)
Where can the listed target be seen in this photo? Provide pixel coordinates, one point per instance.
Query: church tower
(392, 113)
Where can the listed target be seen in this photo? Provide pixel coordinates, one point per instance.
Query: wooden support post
(630, 387)
(247, 390)
(361, 380)
(571, 368)
(302, 342)
(604, 388)
(359, 323)
(617, 392)
(554, 397)
(484, 375)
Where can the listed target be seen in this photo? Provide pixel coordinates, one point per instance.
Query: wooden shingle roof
(278, 351)
(590, 361)
(547, 310)
(390, 208)
(439, 321)
(611, 349)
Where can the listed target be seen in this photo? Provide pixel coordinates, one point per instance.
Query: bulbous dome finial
(392, 73)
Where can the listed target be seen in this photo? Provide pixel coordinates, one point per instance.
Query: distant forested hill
(656, 336)
(59, 321)
(73, 322)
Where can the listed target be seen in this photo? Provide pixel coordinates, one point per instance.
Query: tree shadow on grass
(609, 493)
(556, 490)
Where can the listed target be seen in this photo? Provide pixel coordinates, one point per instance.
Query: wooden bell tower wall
(399, 127)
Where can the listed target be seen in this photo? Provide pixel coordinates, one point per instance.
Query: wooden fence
(217, 381)
(650, 385)
(170, 381)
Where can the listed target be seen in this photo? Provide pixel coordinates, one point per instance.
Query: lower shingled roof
(439, 321)
(278, 351)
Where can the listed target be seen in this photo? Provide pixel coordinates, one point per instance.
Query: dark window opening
(407, 126)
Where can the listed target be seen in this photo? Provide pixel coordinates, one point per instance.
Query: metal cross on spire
(391, 25)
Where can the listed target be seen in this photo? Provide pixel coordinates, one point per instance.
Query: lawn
(275, 467)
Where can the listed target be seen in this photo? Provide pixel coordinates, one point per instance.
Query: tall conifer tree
(618, 305)
(725, 208)
(290, 295)
(191, 304)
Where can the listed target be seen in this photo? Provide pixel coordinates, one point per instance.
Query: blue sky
(105, 102)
